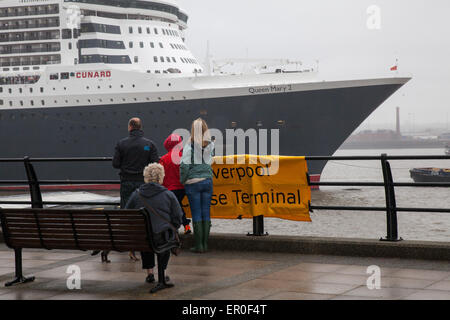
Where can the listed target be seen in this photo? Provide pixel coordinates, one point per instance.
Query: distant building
(445, 137)
(379, 135)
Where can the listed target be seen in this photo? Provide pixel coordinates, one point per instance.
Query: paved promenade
(227, 275)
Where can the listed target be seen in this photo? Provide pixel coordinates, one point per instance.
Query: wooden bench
(85, 230)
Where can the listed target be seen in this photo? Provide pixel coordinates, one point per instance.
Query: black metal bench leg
(162, 282)
(20, 279)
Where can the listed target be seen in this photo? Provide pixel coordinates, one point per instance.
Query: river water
(345, 224)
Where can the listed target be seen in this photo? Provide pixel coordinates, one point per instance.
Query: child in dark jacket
(171, 164)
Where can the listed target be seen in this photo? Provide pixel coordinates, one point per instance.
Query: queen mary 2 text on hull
(93, 74)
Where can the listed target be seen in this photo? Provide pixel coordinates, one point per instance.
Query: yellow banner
(248, 186)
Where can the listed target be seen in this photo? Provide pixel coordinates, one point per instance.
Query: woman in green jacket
(196, 175)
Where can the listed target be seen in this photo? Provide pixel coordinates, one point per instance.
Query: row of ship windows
(54, 9)
(29, 23)
(147, 5)
(30, 35)
(31, 48)
(89, 43)
(18, 69)
(124, 59)
(166, 32)
(29, 10)
(161, 45)
(121, 16)
(64, 76)
(161, 59)
(43, 102)
(30, 60)
(39, 35)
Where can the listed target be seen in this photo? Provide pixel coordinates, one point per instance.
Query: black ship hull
(310, 122)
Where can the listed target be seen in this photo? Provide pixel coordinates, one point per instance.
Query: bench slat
(45, 236)
(79, 231)
(91, 227)
(86, 247)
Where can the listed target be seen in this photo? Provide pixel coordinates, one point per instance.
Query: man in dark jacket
(165, 215)
(131, 156)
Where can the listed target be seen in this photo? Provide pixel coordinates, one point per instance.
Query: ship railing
(391, 209)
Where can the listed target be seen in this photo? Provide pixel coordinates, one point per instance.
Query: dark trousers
(148, 259)
(126, 190)
(180, 194)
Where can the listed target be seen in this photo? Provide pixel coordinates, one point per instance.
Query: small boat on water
(430, 175)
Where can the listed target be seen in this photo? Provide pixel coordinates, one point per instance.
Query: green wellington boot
(206, 229)
(198, 237)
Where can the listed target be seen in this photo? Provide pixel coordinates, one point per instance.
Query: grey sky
(417, 32)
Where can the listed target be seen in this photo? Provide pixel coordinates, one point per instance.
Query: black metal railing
(388, 184)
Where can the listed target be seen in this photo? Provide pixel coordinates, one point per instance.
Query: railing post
(258, 227)
(35, 189)
(391, 204)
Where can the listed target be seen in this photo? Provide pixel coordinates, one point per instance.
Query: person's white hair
(154, 172)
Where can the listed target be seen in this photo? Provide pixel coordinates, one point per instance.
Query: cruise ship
(73, 72)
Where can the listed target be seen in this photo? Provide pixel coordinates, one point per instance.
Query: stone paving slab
(227, 275)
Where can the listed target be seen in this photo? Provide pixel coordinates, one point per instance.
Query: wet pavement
(226, 275)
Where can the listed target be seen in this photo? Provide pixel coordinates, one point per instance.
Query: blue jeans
(199, 195)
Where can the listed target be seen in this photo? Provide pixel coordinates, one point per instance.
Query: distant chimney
(398, 122)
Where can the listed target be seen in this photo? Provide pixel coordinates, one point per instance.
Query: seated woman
(152, 194)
